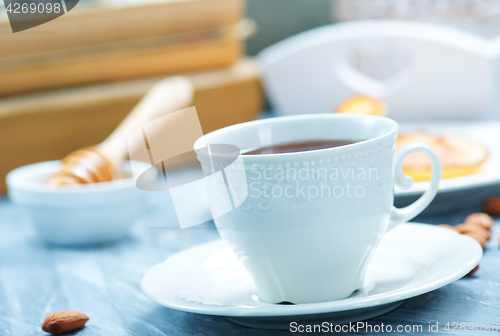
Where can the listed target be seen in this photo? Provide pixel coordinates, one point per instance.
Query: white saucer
(411, 260)
(485, 132)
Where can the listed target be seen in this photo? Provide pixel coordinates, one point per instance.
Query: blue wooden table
(104, 282)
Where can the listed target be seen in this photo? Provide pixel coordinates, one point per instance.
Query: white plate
(485, 132)
(411, 260)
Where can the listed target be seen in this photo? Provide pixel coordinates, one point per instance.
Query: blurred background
(68, 83)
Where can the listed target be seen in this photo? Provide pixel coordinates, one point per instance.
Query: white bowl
(76, 215)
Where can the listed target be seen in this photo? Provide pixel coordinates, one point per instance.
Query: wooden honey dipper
(99, 163)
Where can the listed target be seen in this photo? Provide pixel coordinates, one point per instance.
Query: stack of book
(110, 43)
(68, 83)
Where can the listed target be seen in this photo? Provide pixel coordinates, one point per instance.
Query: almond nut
(478, 237)
(61, 322)
(474, 228)
(473, 271)
(481, 219)
(492, 205)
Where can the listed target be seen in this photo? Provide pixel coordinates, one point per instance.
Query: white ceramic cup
(300, 243)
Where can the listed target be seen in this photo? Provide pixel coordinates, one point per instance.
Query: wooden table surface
(104, 282)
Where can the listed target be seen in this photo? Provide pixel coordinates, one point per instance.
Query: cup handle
(403, 215)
